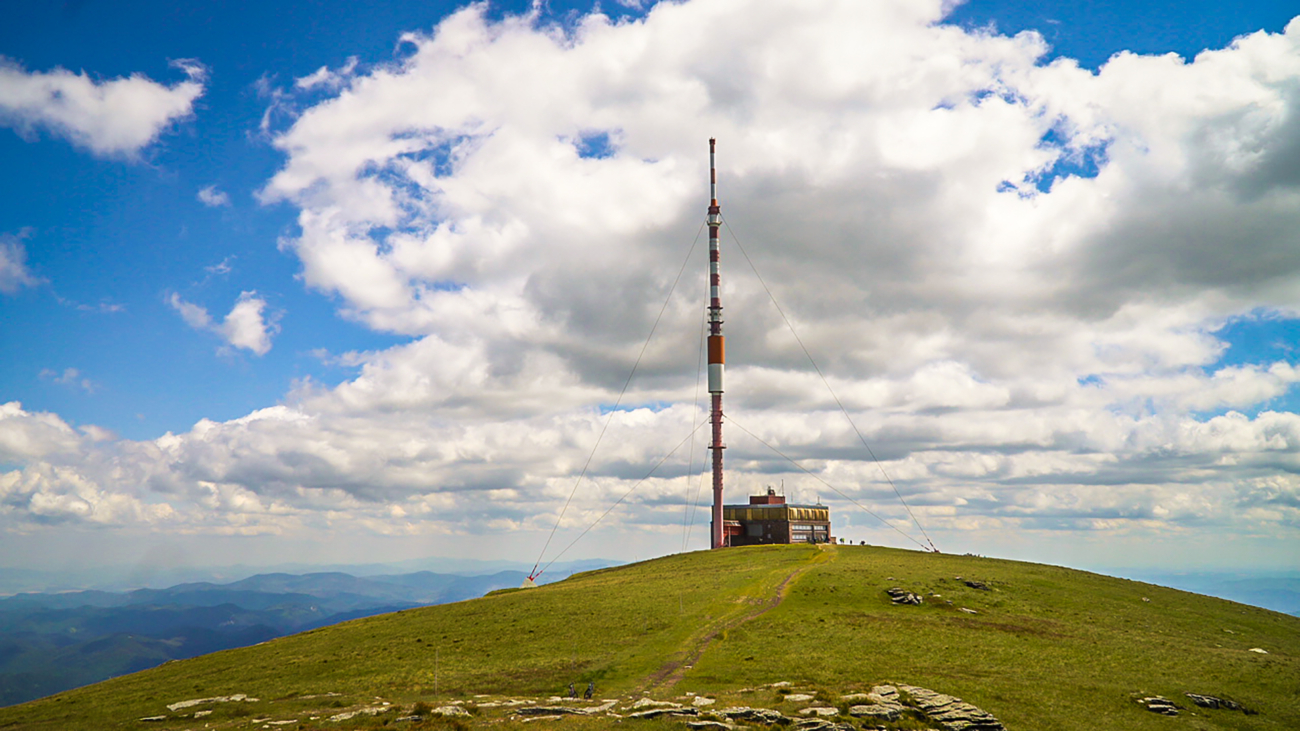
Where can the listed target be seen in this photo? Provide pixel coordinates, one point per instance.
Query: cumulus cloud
(14, 274)
(114, 117)
(213, 198)
(1024, 345)
(248, 325)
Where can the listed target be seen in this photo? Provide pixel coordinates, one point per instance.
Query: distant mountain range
(50, 642)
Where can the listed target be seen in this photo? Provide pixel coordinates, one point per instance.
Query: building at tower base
(768, 519)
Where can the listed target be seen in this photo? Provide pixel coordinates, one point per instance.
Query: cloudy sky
(364, 282)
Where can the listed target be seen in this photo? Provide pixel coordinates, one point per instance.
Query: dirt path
(672, 671)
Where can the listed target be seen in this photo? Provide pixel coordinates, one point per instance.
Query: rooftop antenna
(717, 357)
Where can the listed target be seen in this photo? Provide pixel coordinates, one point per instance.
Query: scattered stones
(952, 713)
(449, 711)
(799, 697)
(1260, 650)
(822, 711)
(1159, 704)
(216, 699)
(902, 596)
(760, 715)
(1209, 701)
(976, 585)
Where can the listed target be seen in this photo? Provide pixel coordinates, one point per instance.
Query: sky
(338, 282)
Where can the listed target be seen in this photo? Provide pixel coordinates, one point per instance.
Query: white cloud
(14, 274)
(70, 377)
(1019, 359)
(247, 325)
(114, 117)
(213, 198)
(194, 315)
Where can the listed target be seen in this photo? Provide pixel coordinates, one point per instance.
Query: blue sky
(171, 281)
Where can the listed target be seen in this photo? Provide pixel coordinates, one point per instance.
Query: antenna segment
(717, 357)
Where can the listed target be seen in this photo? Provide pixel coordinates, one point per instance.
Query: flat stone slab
(951, 713)
(661, 712)
(548, 711)
(822, 711)
(760, 715)
(883, 712)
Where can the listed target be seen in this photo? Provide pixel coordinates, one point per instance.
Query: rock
(449, 711)
(781, 684)
(798, 697)
(660, 712)
(1158, 704)
(1260, 650)
(408, 719)
(216, 699)
(651, 703)
(822, 711)
(760, 715)
(593, 710)
(201, 714)
(966, 610)
(951, 713)
(709, 725)
(1209, 701)
(878, 712)
(702, 701)
(148, 719)
(977, 585)
(851, 697)
(367, 711)
(533, 711)
(821, 724)
(902, 596)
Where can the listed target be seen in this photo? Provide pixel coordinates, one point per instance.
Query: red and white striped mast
(717, 357)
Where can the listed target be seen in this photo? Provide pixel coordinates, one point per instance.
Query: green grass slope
(1047, 648)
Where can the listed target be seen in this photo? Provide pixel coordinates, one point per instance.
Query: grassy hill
(1046, 648)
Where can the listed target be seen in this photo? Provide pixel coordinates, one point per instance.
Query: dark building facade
(769, 519)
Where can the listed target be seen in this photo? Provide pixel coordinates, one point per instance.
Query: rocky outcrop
(1209, 701)
(756, 715)
(215, 699)
(902, 596)
(661, 712)
(953, 714)
(1159, 704)
(533, 711)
